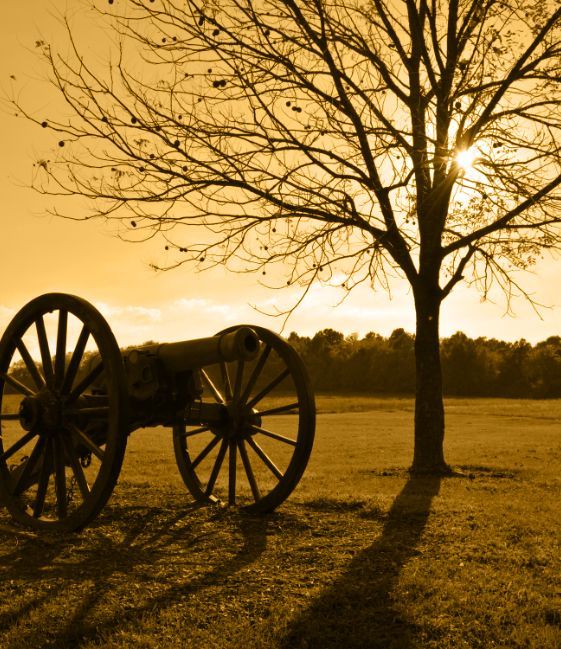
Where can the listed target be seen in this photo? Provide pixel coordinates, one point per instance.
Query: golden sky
(39, 253)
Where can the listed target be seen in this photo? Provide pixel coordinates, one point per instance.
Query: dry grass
(360, 556)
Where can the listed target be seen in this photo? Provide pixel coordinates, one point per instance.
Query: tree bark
(428, 455)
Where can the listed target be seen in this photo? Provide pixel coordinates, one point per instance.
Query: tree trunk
(428, 456)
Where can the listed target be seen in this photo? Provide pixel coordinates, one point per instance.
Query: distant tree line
(374, 364)
(481, 367)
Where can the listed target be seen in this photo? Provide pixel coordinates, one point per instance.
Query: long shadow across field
(358, 611)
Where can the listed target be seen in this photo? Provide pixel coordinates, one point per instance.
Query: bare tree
(344, 138)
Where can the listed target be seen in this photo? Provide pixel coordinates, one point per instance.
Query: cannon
(239, 404)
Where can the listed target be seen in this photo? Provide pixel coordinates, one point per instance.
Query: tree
(357, 140)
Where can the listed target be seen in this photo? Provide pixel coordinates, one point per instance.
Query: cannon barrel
(241, 344)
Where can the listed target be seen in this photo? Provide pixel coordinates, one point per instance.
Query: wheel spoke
(216, 468)
(86, 382)
(255, 373)
(45, 351)
(60, 356)
(249, 471)
(278, 409)
(19, 444)
(43, 483)
(91, 446)
(215, 391)
(226, 381)
(30, 364)
(76, 467)
(269, 433)
(60, 478)
(196, 431)
(206, 450)
(238, 380)
(271, 386)
(74, 363)
(232, 472)
(265, 458)
(20, 387)
(19, 486)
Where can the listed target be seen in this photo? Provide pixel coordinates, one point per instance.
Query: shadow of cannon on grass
(357, 610)
(79, 582)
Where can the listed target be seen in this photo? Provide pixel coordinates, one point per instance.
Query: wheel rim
(257, 455)
(63, 413)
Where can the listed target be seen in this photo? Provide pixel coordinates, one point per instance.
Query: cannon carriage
(239, 404)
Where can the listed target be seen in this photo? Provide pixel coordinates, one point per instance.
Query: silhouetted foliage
(481, 367)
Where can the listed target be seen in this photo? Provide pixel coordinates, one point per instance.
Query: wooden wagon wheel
(63, 438)
(256, 456)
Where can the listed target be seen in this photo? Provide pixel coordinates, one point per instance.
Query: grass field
(361, 555)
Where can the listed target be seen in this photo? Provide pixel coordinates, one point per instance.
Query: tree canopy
(338, 134)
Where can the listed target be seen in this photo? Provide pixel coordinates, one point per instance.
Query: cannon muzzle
(241, 344)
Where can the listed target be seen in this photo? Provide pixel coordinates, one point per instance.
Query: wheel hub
(42, 411)
(239, 421)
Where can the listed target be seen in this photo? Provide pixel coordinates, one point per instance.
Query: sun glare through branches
(467, 157)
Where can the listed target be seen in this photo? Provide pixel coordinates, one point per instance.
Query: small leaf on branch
(202, 20)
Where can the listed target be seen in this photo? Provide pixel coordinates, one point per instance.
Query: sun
(467, 157)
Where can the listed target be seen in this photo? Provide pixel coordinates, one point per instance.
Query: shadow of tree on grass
(357, 611)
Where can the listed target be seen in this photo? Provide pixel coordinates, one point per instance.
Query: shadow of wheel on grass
(135, 542)
(357, 611)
